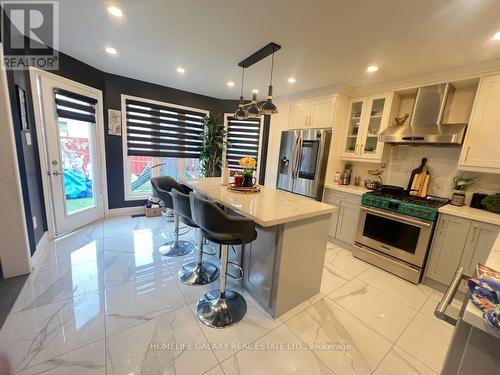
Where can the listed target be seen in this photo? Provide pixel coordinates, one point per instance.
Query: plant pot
(458, 198)
(249, 181)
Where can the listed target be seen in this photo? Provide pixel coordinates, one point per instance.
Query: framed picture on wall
(114, 122)
(21, 97)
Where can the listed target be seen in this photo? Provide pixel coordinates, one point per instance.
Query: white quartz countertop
(351, 189)
(267, 208)
(472, 314)
(471, 213)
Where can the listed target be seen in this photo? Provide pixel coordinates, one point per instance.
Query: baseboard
(41, 248)
(124, 211)
(340, 243)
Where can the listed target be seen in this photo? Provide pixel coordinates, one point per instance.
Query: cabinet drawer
(335, 197)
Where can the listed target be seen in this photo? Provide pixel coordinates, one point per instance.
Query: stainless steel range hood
(425, 125)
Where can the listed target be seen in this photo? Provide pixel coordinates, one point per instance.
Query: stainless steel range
(395, 231)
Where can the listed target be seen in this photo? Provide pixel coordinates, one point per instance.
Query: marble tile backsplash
(442, 164)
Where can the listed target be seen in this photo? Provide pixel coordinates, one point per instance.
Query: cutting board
(420, 179)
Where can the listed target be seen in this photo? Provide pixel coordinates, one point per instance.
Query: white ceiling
(324, 42)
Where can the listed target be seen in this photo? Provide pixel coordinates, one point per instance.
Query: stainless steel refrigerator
(302, 162)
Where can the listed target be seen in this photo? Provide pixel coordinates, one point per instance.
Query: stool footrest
(238, 267)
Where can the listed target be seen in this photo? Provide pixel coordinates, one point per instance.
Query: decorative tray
(242, 189)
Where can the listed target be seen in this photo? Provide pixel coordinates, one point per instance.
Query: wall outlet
(35, 224)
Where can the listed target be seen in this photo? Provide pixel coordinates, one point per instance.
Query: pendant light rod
(272, 68)
(242, 81)
(261, 54)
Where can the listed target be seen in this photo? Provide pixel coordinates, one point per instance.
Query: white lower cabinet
(459, 242)
(344, 222)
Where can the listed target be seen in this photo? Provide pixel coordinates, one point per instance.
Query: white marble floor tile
(69, 251)
(228, 341)
(385, 314)
(217, 370)
(39, 334)
(278, 352)
(88, 360)
(138, 240)
(333, 278)
(398, 288)
(170, 344)
(294, 311)
(343, 259)
(140, 266)
(136, 302)
(60, 282)
(117, 226)
(427, 340)
(398, 362)
(344, 343)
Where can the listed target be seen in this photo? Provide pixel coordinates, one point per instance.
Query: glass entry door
(70, 119)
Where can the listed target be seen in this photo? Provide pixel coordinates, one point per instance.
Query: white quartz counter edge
(351, 189)
(329, 209)
(472, 314)
(471, 213)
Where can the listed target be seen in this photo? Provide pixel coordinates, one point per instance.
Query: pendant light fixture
(253, 111)
(240, 113)
(268, 108)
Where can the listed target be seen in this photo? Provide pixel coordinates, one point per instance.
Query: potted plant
(460, 184)
(214, 141)
(248, 179)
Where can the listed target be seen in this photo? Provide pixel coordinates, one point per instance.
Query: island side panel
(300, 261)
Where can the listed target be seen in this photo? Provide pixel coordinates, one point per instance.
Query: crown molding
(338, 88)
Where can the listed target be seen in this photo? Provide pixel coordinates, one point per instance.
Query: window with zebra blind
(243, 137)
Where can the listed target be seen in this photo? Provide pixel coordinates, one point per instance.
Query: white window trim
(181, 164)
(261, 125)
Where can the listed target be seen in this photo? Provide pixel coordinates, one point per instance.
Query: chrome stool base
(220, 312)
(176, 248)
(194, 273)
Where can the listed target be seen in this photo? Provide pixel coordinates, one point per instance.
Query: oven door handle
(440, 311)
(419, 223)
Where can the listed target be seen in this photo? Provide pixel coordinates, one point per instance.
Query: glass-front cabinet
(367, 117)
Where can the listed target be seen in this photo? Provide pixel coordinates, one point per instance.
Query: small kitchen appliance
(395, 230)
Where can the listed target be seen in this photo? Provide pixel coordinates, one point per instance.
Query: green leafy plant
(460, 183)
(214, 141)
(492, 203)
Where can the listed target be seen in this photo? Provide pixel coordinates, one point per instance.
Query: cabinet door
(322, 112)
(299, 115)
(347, 222)
(479, 243)
(481, 143)
(352, 137)
(447, 248)
(279, 123)
(377, 118)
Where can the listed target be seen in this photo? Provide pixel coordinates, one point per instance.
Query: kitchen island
(283, 266)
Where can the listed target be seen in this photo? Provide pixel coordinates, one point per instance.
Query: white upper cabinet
(318, 113)
(481, 151)
(366, 118)
(279, 123)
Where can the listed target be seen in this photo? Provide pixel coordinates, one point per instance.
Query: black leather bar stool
(196, 272)
(163, 186)
(221, 307)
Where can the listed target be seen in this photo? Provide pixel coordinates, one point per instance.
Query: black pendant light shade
(268, 108)
(253, 111)
(240, 113)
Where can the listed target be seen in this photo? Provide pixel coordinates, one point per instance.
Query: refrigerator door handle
(297, 157)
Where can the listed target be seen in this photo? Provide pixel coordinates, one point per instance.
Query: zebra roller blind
(243, 140)
(162, 130)
(74, 106)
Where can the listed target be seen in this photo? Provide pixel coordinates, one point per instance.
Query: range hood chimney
(426, 127)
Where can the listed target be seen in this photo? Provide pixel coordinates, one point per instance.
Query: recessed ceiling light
(180, 70)
(230, 84)
(111, 50)
(496, 36)
(115, 11)
(291, 80)
(255, 91)
(372, 68)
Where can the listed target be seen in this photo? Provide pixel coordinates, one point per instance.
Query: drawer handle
(440, 311)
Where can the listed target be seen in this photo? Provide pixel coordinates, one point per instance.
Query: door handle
(467, 154)
(56, 173)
